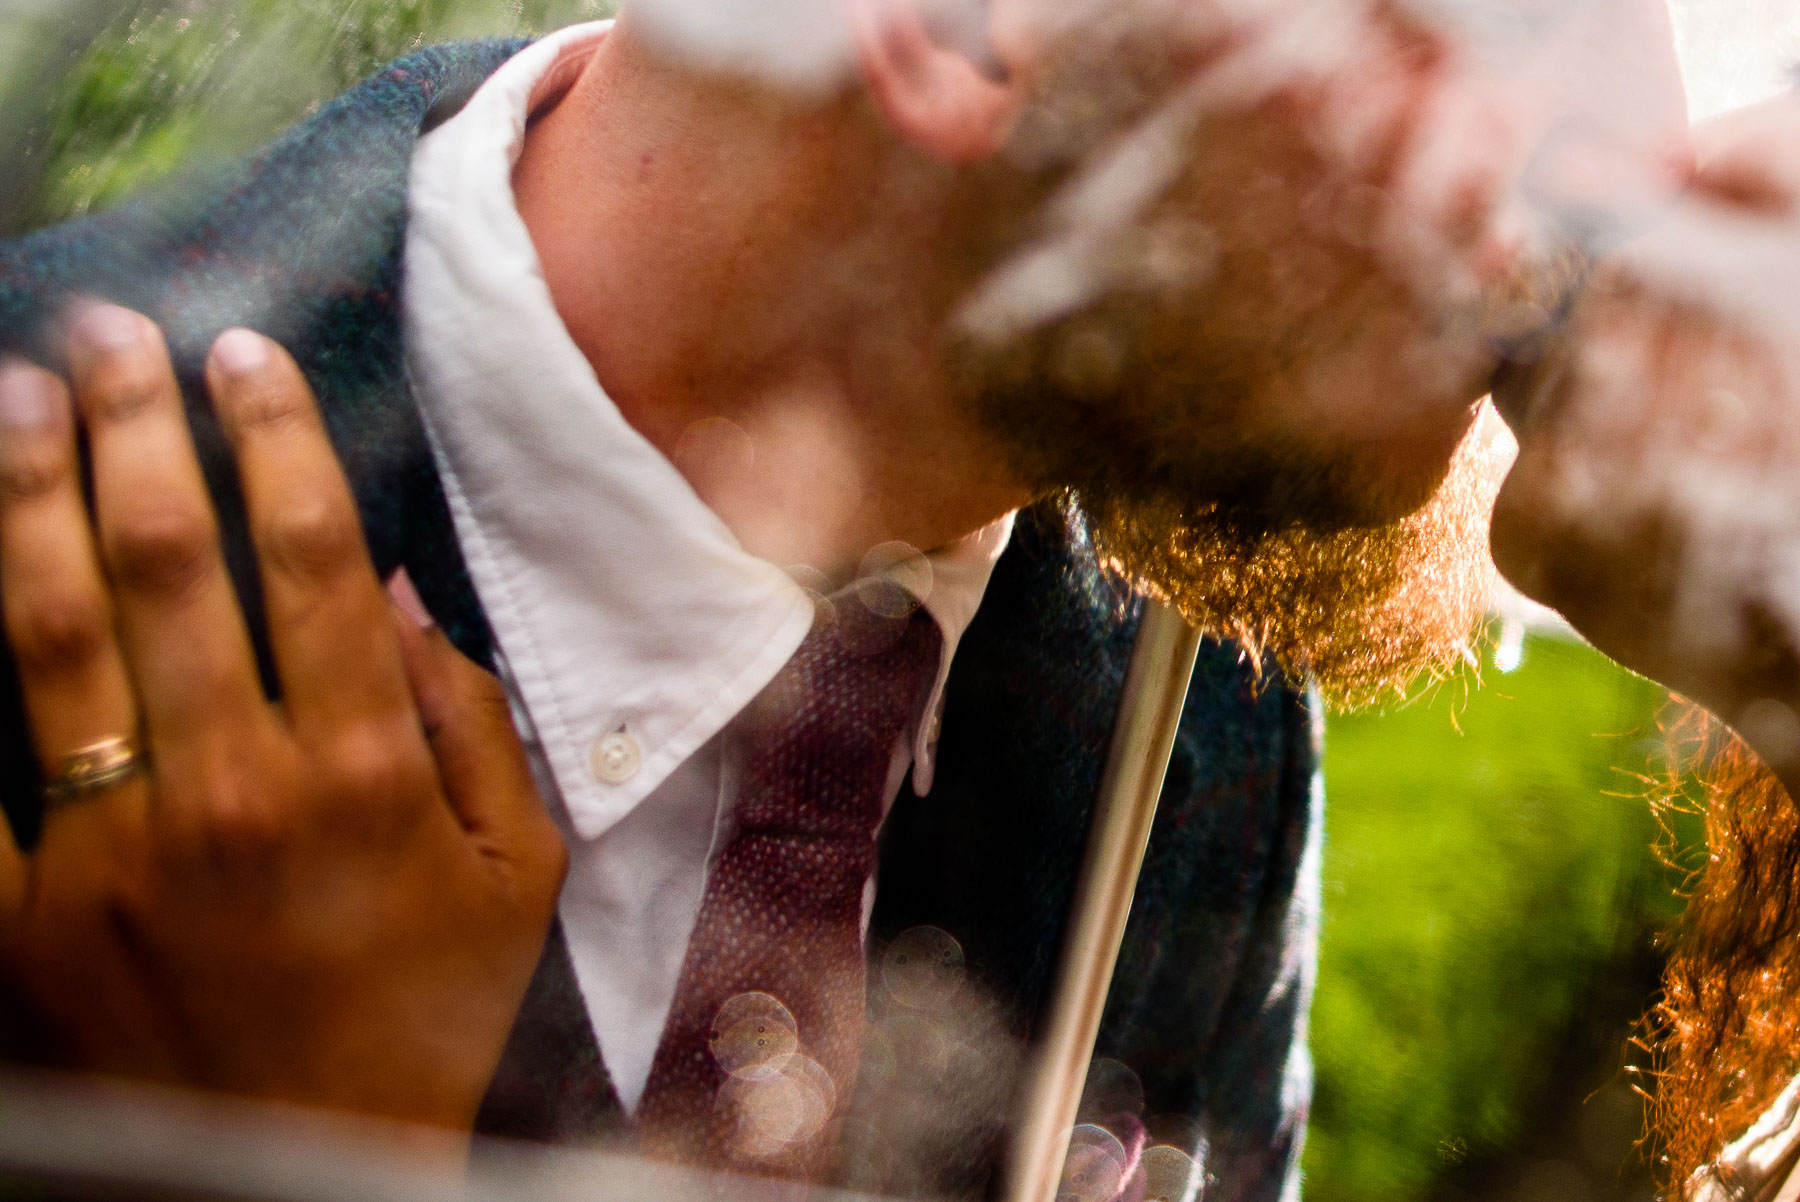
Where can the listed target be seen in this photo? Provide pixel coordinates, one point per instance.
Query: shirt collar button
(615, 758)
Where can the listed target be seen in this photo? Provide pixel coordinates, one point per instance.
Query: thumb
(468, 723)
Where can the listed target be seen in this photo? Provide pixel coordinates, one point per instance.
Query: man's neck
(729, 264)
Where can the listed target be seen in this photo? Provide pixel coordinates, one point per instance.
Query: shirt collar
(620, 601)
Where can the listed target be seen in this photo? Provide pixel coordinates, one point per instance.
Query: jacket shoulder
(302, 241)
(317, 209)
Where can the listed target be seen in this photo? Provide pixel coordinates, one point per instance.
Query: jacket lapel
(990, 855)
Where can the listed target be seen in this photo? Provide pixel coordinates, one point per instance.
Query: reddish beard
(1363, 610)
(1725, 1038)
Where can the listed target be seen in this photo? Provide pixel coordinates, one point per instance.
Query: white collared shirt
(631, 625)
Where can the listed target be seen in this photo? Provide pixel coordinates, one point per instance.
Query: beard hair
(1135, 400)
(1363, 611)
(1287, 552)
(1725, 1038)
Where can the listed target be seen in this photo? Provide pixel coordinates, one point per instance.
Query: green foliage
(169, 83)
(1488, 864)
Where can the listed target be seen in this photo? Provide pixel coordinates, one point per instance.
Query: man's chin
(1362, 609)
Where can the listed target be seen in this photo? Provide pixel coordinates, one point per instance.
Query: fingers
(58, 612)
(334, 649)
(469, 725)
(178, 618)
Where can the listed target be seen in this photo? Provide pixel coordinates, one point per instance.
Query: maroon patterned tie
(766, 1027)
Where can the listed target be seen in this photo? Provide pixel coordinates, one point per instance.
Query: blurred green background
(1492, 898)
(1491, 893)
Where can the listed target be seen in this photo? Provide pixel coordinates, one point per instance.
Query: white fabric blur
(624, 608)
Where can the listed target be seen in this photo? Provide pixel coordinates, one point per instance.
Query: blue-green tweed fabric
(302, 240)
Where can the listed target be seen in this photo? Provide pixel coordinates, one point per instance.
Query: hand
(1656, 497)
(335, 900)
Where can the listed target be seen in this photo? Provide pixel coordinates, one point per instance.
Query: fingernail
(238, 352)
(406, 598)
(27, 397)
(108, 327)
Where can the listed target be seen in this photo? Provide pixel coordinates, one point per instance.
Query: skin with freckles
(1290, 295)
(1278, 432)
(1652, 501)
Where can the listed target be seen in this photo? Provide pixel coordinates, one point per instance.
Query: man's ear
(950, 100)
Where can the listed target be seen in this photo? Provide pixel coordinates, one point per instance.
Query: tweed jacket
(303, 239)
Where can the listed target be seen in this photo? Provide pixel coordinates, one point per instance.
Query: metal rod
(1156, 684)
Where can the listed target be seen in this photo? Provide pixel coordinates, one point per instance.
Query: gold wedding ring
(92, 769)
